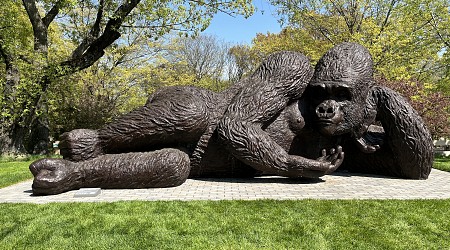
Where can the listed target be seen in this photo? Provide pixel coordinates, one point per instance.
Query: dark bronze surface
(286, 119)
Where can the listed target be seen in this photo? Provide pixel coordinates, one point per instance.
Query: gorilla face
(339, 88)
(338, 106)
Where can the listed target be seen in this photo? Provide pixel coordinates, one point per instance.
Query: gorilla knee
(80, 145)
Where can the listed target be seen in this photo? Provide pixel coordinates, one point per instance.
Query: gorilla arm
(241, 130)
(407, 140)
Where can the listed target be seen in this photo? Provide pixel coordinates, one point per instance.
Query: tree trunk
(30, 134)
(11, 140)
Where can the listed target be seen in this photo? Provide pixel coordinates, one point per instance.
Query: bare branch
(434, 25)
(386, 19)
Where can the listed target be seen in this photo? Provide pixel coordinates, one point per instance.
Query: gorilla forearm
(257, 149)
(406, 134)
(255, 106)
(253, 146)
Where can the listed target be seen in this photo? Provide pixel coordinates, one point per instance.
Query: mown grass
(442, 163)
(14, 172)
(15, 169)
(264, 224)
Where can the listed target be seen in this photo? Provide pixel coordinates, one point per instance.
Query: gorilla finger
(338, 161)
(332, 151)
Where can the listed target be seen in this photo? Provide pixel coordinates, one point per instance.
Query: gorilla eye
(319, 92)
(342, 94)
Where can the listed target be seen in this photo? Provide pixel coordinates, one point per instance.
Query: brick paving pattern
(336, 186)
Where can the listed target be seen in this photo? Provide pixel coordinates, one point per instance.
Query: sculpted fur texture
(285, 119)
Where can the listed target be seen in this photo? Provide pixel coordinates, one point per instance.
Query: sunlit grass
(15, 169)
(269, 224)
(264, 224)
(442, 163)
(14, 172)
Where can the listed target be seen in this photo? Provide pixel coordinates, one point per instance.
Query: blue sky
(238, 30)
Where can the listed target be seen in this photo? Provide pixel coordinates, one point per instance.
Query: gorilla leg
(162, 168)
(171, 117)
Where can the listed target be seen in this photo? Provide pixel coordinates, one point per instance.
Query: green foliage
(431, 104)
(15, 37)
(58, 48)
(400, 35)
(409, 42)
(289, 39)
(311, 224)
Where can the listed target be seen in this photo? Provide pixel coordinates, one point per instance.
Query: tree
(408, 39)
(206, 57)
(244, 61)
(400, 34)
(426, 102)
(84, 30)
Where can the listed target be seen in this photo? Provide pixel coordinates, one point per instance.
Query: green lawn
(442, 164)
(13, 172)
(269, 224)
(264, 224)
(16, 171)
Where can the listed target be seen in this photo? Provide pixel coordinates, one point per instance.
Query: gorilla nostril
(321, 110)
(326, 110)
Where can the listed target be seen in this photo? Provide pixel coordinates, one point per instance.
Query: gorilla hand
(55, 176)
(365, 147)
(333, 160)
(325, 164)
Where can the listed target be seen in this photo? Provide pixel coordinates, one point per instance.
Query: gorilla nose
(327, 109)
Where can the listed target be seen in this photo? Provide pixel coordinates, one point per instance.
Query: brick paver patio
(335, 186)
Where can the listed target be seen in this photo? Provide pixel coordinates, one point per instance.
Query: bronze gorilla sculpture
(283, 120)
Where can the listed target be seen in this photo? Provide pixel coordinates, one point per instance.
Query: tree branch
(386, 19)
(52, 13)
(96, 49)
(93, 34)
(441, 37)
(39, 28)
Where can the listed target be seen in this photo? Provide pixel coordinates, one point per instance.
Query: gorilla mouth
(324, 122)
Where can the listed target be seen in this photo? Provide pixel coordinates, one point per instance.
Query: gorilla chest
(294, 131)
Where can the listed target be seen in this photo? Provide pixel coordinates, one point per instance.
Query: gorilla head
(339, 88)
